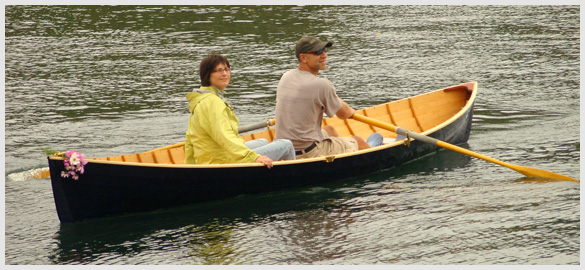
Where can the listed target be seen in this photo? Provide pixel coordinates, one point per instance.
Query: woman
(212, 136)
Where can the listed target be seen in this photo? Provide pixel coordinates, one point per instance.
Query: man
(301, 100)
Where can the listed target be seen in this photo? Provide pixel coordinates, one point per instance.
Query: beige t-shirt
(301, 100)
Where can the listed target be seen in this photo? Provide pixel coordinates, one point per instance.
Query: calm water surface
(112, 80)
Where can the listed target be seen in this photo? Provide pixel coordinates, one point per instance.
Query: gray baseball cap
(310, 44)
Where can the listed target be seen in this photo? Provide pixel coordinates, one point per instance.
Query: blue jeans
(280, 149)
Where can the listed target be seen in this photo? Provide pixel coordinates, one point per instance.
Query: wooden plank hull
(112, 187)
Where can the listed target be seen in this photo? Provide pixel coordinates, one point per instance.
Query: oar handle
(267, 123)
(395, 129)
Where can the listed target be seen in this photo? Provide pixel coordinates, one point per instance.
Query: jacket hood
(199, 94)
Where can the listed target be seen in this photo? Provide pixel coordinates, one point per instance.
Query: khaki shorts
(332, 146)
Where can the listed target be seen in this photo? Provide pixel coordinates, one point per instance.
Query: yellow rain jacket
(212, 136)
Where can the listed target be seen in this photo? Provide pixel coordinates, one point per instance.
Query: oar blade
(41, 174)
(539, 173)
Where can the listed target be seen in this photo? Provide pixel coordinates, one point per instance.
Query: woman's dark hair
(207, 66)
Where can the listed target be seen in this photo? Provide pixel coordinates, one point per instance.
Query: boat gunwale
(469, 103)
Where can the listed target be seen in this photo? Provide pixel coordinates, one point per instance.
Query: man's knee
(331, 131)
(362, 144)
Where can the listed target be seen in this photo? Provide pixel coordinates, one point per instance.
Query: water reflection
(211, 243)
(309, 218)
(113, 236)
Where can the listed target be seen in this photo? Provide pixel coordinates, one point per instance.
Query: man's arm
(345, 111)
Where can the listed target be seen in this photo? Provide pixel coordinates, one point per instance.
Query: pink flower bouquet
(74, 162)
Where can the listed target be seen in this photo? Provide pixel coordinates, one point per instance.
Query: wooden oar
(242, 129)
(258, 125)
(46, 173)
(529, 172)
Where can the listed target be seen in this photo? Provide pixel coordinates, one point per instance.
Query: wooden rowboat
(158, 179)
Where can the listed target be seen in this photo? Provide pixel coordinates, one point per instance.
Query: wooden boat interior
(420, 113)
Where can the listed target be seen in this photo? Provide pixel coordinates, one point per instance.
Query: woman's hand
(265, 160)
